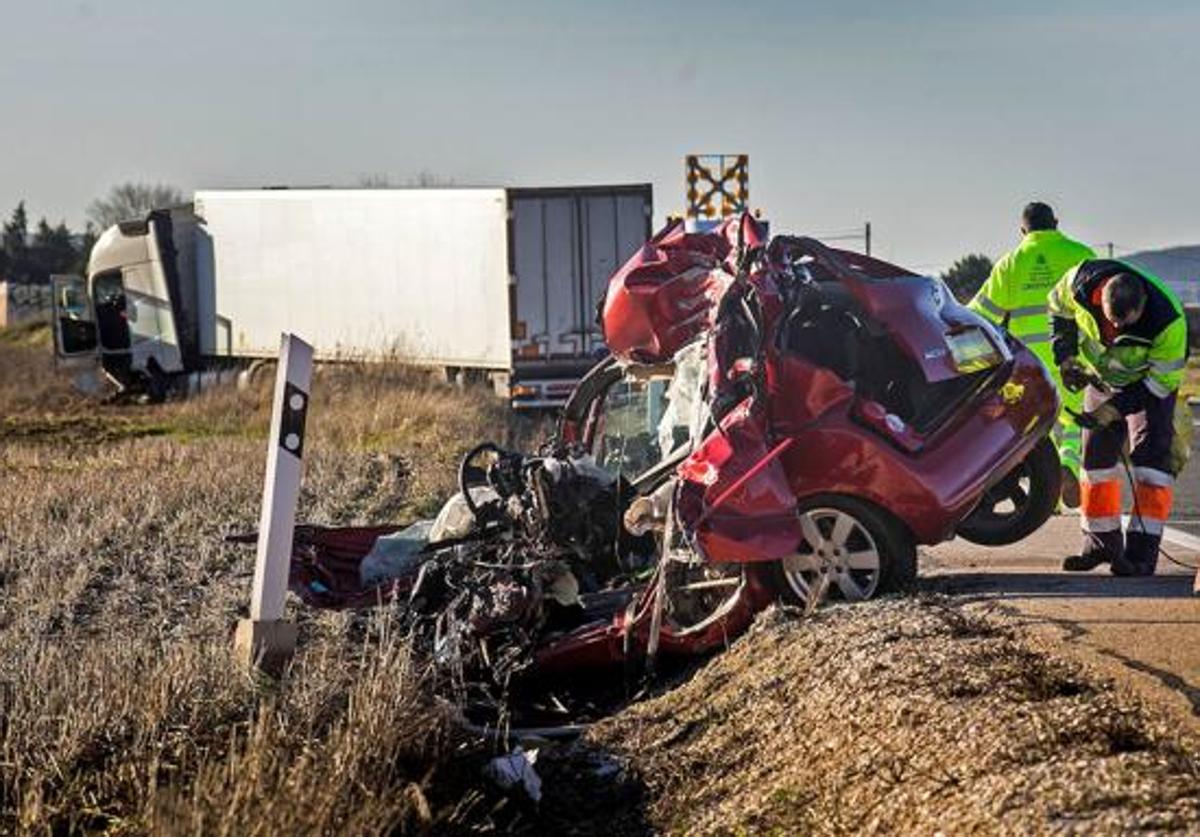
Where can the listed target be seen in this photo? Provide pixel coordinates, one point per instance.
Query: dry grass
(120, 707)
(1191, 379)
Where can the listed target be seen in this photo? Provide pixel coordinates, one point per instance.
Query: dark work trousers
(1149, 434)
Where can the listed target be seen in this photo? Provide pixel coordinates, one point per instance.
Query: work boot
(1126, 566)
(1070, 489)
(1098, 548)
(1084, 563)
(1141, 554)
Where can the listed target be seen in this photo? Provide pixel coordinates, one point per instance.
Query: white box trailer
(481, 281)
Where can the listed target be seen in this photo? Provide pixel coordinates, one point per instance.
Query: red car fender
(733, 495)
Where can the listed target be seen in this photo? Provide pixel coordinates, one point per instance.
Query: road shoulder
(1143, 633)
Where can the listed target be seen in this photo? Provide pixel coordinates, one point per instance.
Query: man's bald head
(1123, 298)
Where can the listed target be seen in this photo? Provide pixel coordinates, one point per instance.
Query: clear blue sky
(934, 120)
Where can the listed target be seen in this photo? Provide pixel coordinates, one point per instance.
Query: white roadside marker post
(265, 640)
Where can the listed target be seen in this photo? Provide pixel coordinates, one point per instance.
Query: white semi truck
(500, 283)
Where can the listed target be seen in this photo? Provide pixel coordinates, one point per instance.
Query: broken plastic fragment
(514, 769)
(560, 585)
(394, 555)
(456, 520)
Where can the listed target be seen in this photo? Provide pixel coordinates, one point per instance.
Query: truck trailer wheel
(858, 550)
(1019, 504)
(254, 374)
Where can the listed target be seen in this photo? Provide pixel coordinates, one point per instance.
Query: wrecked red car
(777, 419)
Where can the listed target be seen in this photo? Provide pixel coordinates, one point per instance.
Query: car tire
(1032, 489)
(865, 552)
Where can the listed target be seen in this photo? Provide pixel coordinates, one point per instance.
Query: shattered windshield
(652, 414)
(629, 443)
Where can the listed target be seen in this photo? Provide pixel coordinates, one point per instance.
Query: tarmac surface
(1143, 632)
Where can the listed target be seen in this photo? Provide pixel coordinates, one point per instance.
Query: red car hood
(667, 293)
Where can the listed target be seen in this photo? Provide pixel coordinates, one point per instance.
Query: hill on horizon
(1178, 266)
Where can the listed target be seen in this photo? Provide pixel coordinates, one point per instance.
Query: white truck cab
(120, 316)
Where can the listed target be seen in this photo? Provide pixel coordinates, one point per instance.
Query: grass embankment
(1191, 380)
(120, 708)
(903, 717)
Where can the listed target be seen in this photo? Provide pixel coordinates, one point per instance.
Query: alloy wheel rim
(837, 551)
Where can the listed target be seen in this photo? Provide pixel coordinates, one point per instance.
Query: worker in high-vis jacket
(1016, 293)
(1120, 336)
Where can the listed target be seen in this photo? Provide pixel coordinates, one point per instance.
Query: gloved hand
(1102, 416)
(1074, 376)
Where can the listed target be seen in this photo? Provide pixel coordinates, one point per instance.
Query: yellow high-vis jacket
(1019, 287)
(1144, 359)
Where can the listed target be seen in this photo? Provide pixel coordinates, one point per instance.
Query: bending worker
(1120, 335)
(1015, 295)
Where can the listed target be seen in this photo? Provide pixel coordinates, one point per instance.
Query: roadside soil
(902, 716)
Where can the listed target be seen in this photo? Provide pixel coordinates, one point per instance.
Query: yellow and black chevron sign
(718, 185)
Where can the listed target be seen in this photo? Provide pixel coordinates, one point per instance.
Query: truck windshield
(150, 318)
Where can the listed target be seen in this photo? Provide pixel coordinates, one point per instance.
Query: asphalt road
(1185, 515)
(1145, 632)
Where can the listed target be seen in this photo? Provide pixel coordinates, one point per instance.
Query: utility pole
(867, 237)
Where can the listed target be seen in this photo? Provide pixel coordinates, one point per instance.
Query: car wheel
(850, 548)
(1019, 504)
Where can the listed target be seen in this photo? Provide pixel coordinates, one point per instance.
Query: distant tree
(13, 237)
(426, 179)
(54, 247)
(31, 259)
(128, 201)
(375, 181)
(86, 241)
(16, 232)
(967, 275)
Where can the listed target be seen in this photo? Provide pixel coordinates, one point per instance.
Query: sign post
(265, 640)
